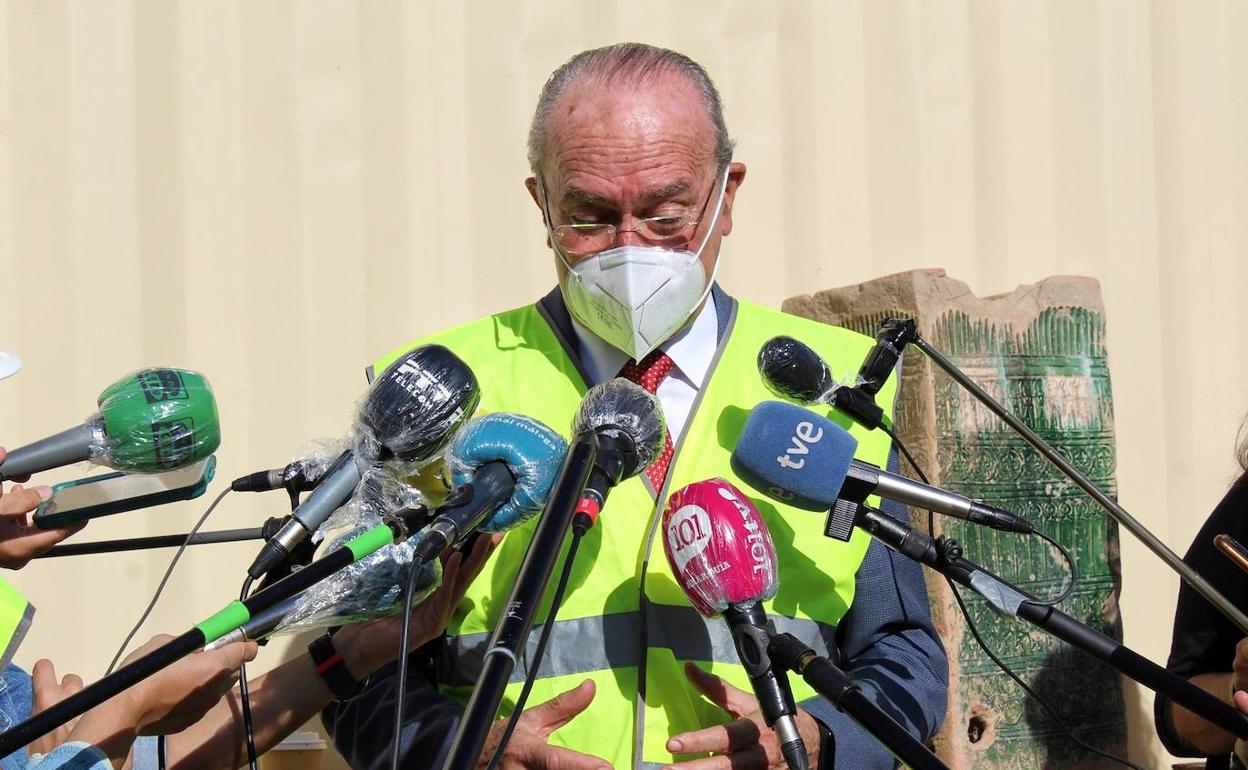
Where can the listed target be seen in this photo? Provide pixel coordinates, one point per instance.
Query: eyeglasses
(580, 239)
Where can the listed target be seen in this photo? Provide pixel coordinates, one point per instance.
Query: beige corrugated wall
(276, 192)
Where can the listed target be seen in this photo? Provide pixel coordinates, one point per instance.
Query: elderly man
(634, 179)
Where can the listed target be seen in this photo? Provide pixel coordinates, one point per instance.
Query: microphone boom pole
(230, 617)
(512, 631)
(834, 684)
(1111, 506)
(945, 556)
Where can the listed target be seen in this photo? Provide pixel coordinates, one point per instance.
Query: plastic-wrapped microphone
(721, 553)
(618, 430)
(149, 421)
(502, 466)
(793, 371)
(804, 459)
(408, 414)
(625, 424)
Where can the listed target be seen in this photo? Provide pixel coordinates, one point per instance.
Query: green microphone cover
(158, 419)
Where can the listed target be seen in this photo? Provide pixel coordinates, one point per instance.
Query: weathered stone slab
(1040, 351)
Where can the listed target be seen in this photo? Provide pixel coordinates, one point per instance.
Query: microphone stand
(831, 682)
(232, 616)
(165, 541)
(944, 555)
(907, 332)
(508, 641)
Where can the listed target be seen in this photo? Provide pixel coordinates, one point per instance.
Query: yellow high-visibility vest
(15, 616)
(624, 622)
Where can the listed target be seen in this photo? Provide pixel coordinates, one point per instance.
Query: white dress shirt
(692, 351)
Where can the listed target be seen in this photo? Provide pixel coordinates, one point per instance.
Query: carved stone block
(1040, 351)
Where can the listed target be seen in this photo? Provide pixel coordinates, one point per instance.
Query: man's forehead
(619, 128)
(660, 191)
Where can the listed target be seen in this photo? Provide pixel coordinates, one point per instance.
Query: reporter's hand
(177, 697)
(47, 693)
(166, 702)
(1241, 702)
(745, 743)
(21, 541)
(366, 647)
(528, 748)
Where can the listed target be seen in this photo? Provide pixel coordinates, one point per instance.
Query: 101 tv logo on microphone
(718, 546)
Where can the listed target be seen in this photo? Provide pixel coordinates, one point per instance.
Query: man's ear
(531, 184)
(736, 176)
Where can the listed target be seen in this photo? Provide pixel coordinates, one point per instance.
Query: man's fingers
(1241, 701)
(43, 681)
(736, 702)
(559, 758)
(20, 501)
(547, 717)
(71, 684)
(238, 653)
(753, 758)
(734, 736)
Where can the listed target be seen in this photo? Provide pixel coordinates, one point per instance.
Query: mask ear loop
(697, 256)
(550, 233)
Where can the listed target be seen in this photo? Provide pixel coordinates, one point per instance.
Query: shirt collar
(691, 349)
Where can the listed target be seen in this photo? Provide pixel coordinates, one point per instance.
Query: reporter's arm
(287, 697)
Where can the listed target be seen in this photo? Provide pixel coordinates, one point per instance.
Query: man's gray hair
(627, 63)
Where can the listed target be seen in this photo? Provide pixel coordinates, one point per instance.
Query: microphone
(618, 430)
(298, 476)
(805, 460)
(149, 421)
(625, 424)
(721, 553)
(792, 370)
(502, 465)
(407, 414)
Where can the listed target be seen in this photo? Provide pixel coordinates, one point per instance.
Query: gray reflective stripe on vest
(604, 642)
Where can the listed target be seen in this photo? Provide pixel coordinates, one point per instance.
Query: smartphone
(117, 492)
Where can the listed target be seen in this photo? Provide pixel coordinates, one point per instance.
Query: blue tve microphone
(796, 456)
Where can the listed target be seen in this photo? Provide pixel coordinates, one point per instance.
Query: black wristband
(331, 667)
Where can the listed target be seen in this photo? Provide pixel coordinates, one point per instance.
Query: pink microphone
(719, 549)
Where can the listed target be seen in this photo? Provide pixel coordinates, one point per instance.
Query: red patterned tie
(651, 371)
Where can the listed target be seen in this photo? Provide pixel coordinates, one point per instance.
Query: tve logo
(804, 437)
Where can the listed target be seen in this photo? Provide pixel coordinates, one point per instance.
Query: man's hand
(1241, 703)
(178, 696)
(47, 693)
(165, 703)
(746, 743)
(20, 541)
(366, 647)
(528, 749)
(1239, 668)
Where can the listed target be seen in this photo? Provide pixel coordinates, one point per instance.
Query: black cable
(161, 587)
(1034, 695)
(1072, 568)
(404, 639)
(970, 624)
(244, 696)
(1070, 562)
(531, 676)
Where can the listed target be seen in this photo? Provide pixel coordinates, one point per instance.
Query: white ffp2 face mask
(636, 297)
